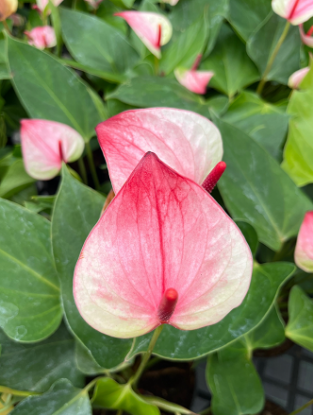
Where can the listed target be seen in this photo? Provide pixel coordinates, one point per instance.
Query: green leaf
(256, 190)
(77, 209)
(95, 43)
(235, 385)
(56, 22)
(148, 91)
(300, 325)
(250, 235)
(298, 153)
(34, 367)
(232, 67)
(61, 399)
(49, 90)
(30, 308)
(264, 122)
(175, 344)
(123, 3)
(85, 362)
(246, 15)
(4, 71)
(110, 395)
(15, 179)
(262, 43)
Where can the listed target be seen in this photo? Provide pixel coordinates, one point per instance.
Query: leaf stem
(167, 406)
(146, 356)
(92, 166)
(272, 58)
(82, 169)
(302, 407)
(4, 389)
(206, 411)
(6, 26)
(156, 66)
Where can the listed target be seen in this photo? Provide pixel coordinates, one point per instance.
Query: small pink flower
(296, 11)
(307, 38)
(42, 4)
(304, 247)
(171, 2)
(163, 252)
(297, 77)
(45, 144)
(186, 141)
(195, 81)
(42, 37)
(94, 3)
(153, 29)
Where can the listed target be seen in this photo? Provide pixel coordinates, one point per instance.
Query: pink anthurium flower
(42, 37)
(195, 81)
(153, 29)
(163, 252)
(307, 38)
(186, 141)
(42, 4)
(94, 3)
(304, 247)
(45, 144)
(295, 11)
(297, 77)
(7, 8)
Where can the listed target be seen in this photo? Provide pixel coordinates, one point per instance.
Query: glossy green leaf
(123, 3)
(156, 92)
(298, 153)
(51, 91)
(262, 43)
(4, 71)
(30, 308)
(85, 362)
(61, 399)
(232, 67)
(246, 15)
(250, 235)
(110, 395)
(95, 43)
(256, 190)
(77, 209)
(235, 385)
(300, 325)
(264, 122)
(34, 367)
(187, 345)
(15, 179)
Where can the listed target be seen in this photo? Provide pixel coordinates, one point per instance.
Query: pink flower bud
(304, 247)
(42, 4)
(42, 37)
(296, 11)
(153, 29)
(297, 77)
(7, 7)
(306, 38)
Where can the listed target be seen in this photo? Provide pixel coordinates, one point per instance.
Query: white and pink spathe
(42, 37)
(295, 11)
(304, 246)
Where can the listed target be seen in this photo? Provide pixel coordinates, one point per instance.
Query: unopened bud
(7, 7)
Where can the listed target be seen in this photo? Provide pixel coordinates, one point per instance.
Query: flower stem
(147, 355)
(82, 169)
(156, 66)
(92, 166)
(272, 58)
(302, 407)
(6, 26)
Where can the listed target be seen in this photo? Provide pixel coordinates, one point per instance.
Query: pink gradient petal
(306, 39)
(296, 11)
(147, 27)
(186, 141)
(161, 234)
(41, 144)
(304, 247)
(195, 81)
(42, 37)
(42, 4)
(297, 77)
(171, 2)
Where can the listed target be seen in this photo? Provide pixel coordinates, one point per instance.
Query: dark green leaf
(30, 308)
(250, 235)
(4, 71)
(300, 324)
(262, 43)
(51, 91)
(77, 209)
(61, 399)
(232, 67)
(256, 190)
(186, 345)
(264, 122)
(34, 367)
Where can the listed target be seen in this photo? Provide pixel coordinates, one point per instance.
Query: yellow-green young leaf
(61, 399)
(110, 395)
(30, 307)
(15, 179)
(300, 325)
(298, 154)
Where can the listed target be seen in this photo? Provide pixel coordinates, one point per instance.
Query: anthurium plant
(156, 200)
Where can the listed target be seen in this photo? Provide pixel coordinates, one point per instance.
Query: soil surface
(273, 409)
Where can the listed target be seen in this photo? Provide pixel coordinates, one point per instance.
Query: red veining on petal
(214, 176)
(167, 305)
(158, 44)
(310, 31)
(61, 151)
(196, 62)
(292, 11)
